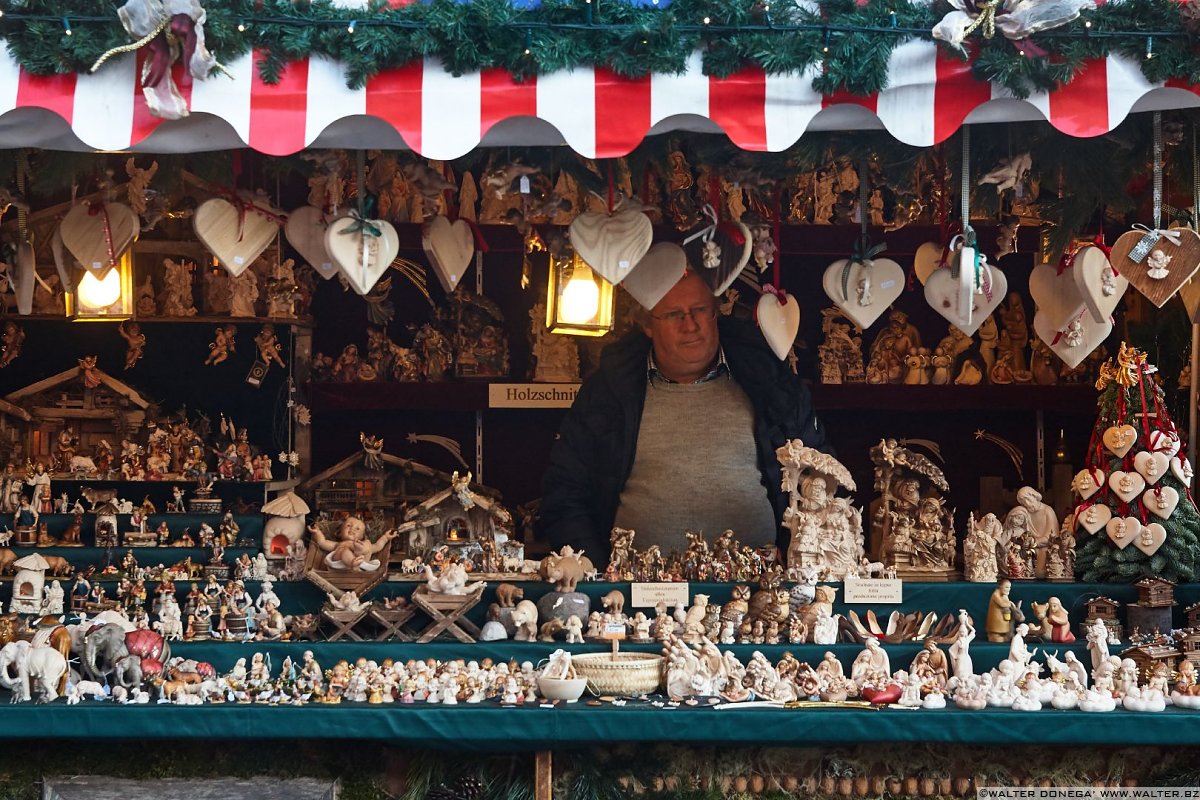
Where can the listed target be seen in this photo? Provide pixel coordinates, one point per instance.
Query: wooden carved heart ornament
(863, 290)
(660, 269)
(779, 319)
(612, 244)
(97, 234)
(305, 230)
(1170, 261)
(236, 234)
(449, 246)
(1100, 286)
(362, 249)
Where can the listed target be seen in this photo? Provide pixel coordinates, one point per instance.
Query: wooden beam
(543, 776)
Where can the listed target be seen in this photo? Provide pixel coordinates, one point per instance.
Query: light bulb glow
(580, 300)
(99, 293)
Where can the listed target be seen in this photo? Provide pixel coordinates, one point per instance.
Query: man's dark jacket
(593, 456)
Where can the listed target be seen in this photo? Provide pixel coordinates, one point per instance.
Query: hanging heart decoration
(1087, 482)
(864, 286)
(1181, 468)
(1122, 530)
(1151, 466)
(1056, 295)
(305, 230)
(612, 244)
(1119, 439)
(236, 231)
(449, 246)
(1126, 485)
(966, 296)
(719, 251)
(1150, 538)
(1165, 442)
(1161, 501)
(1157, 262)
(661, 268)
(1100, 286)
(1094, 517)
(778, 316)
(927, 259)
(98, 234)
(1076, 340)
(363, 249)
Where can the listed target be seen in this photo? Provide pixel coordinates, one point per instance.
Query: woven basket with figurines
(620, 673)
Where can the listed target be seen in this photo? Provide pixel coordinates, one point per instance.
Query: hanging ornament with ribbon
(721, 248)
(170, 30)
(967, 289)
(1157, 260)
(777, 314)
(1016, 20)
(363, 248)
(864, 286)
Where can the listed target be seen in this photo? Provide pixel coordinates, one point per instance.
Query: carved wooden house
(1189, 642)
(1192, 614)
(467, 520)
(14, 424)
(1104, 608)
(1148, 656)
(1155, 592)
(91, 403)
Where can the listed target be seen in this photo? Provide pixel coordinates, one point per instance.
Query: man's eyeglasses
(698, 314)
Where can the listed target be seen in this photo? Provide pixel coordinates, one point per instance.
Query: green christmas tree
(1135, 516)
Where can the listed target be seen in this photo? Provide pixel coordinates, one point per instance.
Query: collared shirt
(719, 369)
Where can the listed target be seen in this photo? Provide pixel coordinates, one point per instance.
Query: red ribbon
(480, 243)
(611, 188)
(243, 205)
(780, 293)
(99, 209)
(734, 232)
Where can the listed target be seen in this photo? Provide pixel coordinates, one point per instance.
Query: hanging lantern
(578, 301)
(103, 295)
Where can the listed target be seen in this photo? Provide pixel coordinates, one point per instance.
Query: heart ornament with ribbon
(98, 234)
(967, 291)
(1087, 482)
(1150, 538)
(305, 230)
(236, 234)
(719, 251)
(1126, 485)
(1100, 286)
(1157, 262)
(927, 259)
(449, 246)
(1074, 341)
(778, 316)
(1161, 501)
(1151, 466)
(1056, 294)
(363, 249)
(1094, 517)
(660, 269)
(612, 244)
(863, 287)
(1122, 530)
(1119, 439)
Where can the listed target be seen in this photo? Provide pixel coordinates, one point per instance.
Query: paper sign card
(614, 630)
(874, 590)
(649, 595)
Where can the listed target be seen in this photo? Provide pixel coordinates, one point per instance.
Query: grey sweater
(696, 468)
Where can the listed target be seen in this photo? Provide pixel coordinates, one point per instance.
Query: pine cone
(1189, 16)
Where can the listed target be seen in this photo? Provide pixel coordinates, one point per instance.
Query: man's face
(683, 327)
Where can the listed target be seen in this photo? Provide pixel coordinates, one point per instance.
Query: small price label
(524, 185)
(239, 260)
(874, 590)
(649, 595)
(614, 630)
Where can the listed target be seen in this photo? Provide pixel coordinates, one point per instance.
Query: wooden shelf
(1067, 398)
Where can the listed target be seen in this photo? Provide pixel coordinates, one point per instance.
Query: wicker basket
(620, 673)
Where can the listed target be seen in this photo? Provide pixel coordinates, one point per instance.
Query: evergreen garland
(845, 45)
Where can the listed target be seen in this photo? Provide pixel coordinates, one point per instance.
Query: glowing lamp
(100, 296)
(578, 302)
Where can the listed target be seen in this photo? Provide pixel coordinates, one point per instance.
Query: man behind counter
(677, 430)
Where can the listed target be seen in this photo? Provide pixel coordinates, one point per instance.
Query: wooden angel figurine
(268, 345)
(136, 341)
(10, 343)
(222, 345)
(243, 291)
(139, 183)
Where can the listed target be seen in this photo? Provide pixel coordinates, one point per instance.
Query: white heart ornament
(1119, 439)
(236, 238)
(305, 230)
(1151, 466)
(1122, 530)
(926, 260)
(660, 269)
(1094, 517)
(362, 257)
(779, 322)
(1126, 485)
(83, 233)
(1161, 501)
(1081, 336)
(863, 290)
(1164, 442)
(1181, 468)
(612, 244)
(1087, 482)
(720, 268)
(1150, 538)
(941, 292)
(1100, 286)
(1056, 295)
(449, 246)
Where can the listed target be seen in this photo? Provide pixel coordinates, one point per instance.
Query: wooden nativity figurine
(826, 531)
(912, 527)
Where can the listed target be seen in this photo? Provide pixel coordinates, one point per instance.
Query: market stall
(296, 298)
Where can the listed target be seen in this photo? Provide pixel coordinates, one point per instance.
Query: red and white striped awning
(594, 111)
